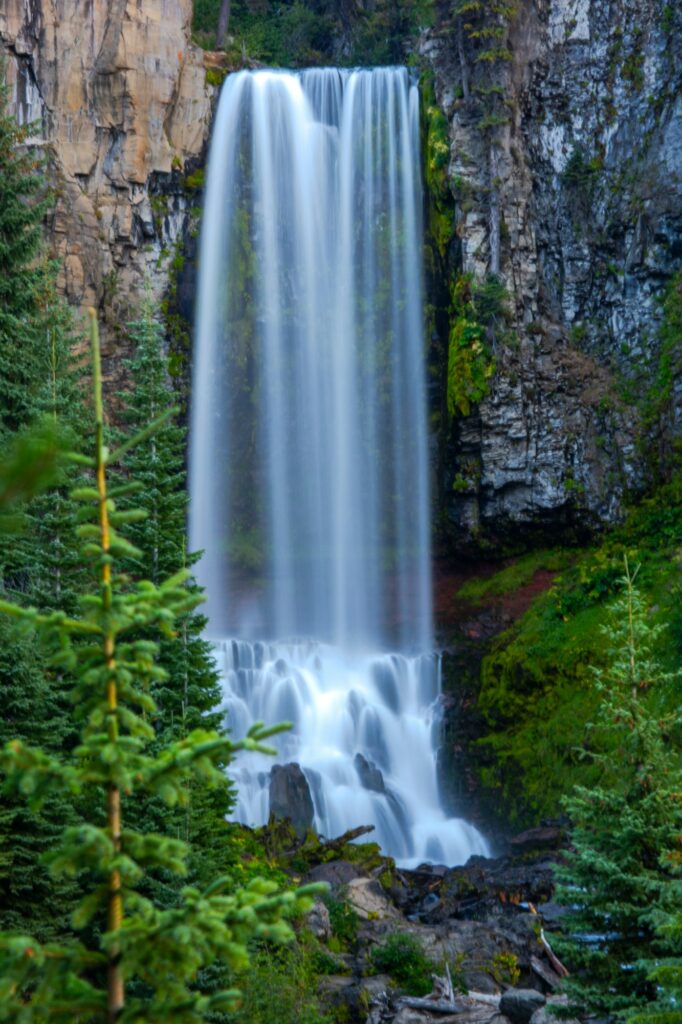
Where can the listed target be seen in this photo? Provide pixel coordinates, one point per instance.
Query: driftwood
(431, 1005)
(544, 971)
(552, 957)
(484, 997)
(554, 960)
(347, 837)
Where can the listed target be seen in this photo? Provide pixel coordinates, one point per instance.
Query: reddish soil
(494, 613)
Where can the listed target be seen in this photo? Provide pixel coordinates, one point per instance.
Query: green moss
(194, 182)
(215, 76)
(514, 576)
(495, 53)
(436, 148)
(657, 443)
(477, 310)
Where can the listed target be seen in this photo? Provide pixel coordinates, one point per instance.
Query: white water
(308, 461)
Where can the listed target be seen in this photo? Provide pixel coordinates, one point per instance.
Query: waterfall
(309, 448)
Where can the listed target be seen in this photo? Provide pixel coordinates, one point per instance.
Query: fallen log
(431, 1005)
(548, 975)
(554, 960)
(484, 997)
(347, 837)
(552, 957)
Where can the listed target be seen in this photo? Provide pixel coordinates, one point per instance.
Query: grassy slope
(536, 689)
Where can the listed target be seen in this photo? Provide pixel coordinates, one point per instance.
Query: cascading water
(309, 462)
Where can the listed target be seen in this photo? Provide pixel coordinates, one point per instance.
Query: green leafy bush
(403, 958)
(344, 922)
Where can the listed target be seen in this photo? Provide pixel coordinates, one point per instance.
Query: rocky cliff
(564, 122)
(118, 98)
(565, 168)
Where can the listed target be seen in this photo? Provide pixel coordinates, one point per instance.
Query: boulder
(370, 776)
(544, 1014)
(548, 837)
(336, 873)
(369, 901)
(519, 1004)
(290, 797)
(318, 921)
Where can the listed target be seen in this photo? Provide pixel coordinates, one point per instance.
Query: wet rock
(482, 886)
(370, 776)
(519, 1004)
(290, 797)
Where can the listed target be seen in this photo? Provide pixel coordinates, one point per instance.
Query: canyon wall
(565, 167)
(564, 122)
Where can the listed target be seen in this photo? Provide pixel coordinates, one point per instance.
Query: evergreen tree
(56, 573)
(620, 881)
(138, 946)
(36, 381)
(23, 204)
(31, 712)
(193, 698)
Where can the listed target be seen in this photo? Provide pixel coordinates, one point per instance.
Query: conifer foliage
(622, 882)
(191, 699)
(104, 652)
(23, 204)
(38, 557)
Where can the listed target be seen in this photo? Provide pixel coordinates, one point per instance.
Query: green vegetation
(136, 959)
(582, 171)
(39, 564)
(23, 205)
(285, 979)
(536, 687)
(344, 923)
(478, 315)
(621, 879)
(658, 436)
(297, 33)
(514, 576)
(403, 958)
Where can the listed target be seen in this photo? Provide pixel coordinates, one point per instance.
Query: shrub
(403, 958)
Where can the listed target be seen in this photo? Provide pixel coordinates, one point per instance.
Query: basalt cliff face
(117, 96)
(565, 133)
(565, 170)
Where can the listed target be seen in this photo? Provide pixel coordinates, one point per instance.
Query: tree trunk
(223, 23)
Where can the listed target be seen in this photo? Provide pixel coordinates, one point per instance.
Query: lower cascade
(365, 731)
(309, 450)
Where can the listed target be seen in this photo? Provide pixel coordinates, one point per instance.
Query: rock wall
(571, 192)
(119, 100)
(565, 123)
